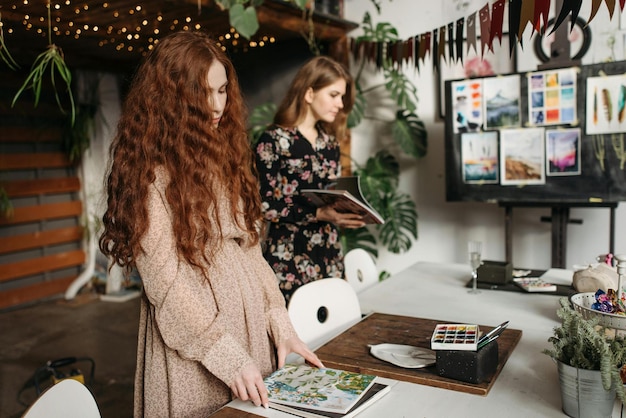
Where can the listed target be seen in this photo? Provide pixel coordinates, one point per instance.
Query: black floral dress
(299, 248)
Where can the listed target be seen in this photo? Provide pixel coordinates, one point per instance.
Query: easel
(559, 219)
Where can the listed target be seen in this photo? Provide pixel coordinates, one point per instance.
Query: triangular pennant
(441, 52)
(379, 53)
(409, 46)
(435, 50)
(451, 42)
(485, 27)
(622, 3)
(427, 42)
(392, 53)
(422, 50)
(542, 9)
(595, 6)
(611, 5)
(515, 10)
(471, 32)
(528, 11)
(416, 51)
(497, 20)
(460, 24)
(569, 7)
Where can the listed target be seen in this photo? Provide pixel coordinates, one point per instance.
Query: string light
(89, 16)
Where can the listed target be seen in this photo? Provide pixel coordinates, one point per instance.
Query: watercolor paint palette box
(462, 337)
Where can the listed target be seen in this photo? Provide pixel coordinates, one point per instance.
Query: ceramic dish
(406, 356)
(582, 302)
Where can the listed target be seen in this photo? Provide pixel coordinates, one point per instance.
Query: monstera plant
(380, 174)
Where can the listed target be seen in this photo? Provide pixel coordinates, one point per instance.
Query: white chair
(67, 399)
(322, 309)
(360, 270)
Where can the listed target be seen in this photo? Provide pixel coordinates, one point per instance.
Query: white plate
(406, 356)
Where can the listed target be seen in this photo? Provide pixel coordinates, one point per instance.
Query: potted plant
(589, 358)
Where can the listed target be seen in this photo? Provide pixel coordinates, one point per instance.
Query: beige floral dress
(196, 335)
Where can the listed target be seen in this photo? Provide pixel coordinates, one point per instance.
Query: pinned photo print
(522, 158)
(479, 154)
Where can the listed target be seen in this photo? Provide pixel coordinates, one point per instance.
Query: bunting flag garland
(460, 24)
(497, 20)
(621, 5)
(570, 6)
(485, 26)
(491, 21)
(471, 32)
(542, 8)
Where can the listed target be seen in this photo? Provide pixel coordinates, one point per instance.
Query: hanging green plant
(51, 59)
(4, 52)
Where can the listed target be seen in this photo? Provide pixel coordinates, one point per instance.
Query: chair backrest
(360, 269)
(322, 309)
(67, 399)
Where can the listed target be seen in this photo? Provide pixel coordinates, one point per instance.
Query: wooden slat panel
(34, 292)
(34, 160)
(44, 212)
(21, 188)
(27, 134)
(40, 239)
(39, 265)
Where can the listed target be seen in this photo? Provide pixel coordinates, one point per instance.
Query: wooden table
(528, 384)
(349, 351)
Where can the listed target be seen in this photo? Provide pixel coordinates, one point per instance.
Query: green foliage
(260, 118)
(400, 88)
(243, 19)
(582, 343)
(5, 55)
(358, 109)
(358, 238)
(409, 132)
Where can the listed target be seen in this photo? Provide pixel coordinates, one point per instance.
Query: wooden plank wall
(41, 244)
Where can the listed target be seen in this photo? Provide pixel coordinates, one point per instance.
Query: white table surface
(528, 384)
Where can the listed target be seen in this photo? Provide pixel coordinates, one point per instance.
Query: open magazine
(346, 197)
(307, 391)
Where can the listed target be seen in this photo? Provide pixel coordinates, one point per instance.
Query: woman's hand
(342, 220)
(248, 385)
(296, 345)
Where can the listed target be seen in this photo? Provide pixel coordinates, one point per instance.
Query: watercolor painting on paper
(552, 97)
(479, 154)
(563, 152)
(522, 160)
(501, 98)
(467, 105)
(606, 104)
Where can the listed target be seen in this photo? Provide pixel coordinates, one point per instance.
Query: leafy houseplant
(581, 343)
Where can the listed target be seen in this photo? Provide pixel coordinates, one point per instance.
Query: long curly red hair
(167, 122)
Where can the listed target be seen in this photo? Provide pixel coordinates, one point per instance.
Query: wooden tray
(349, 351)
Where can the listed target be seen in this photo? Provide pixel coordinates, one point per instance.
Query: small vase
(582, 393)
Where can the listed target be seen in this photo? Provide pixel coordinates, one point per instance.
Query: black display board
(593, 186)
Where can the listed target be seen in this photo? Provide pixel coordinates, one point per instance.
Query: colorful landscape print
(479, 152)
(323, 389)
(563, 152)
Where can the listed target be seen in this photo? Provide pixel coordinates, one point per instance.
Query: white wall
(444, 228)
